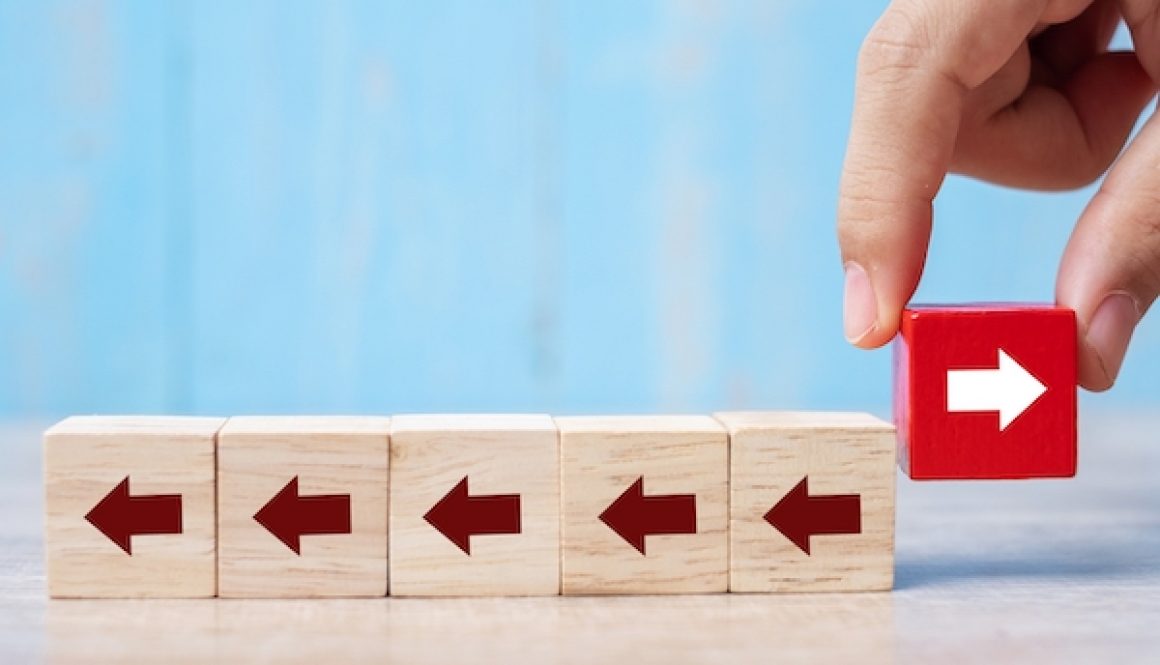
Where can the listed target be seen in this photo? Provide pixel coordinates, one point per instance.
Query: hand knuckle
(896, 45)
(1148, 256)
(1141, 223)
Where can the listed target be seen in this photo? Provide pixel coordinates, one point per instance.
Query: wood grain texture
(84, 459)
(841, 453)
(499, 454)
(1033, 571)
(601, 456)
(335, 455)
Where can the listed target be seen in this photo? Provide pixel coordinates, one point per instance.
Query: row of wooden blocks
(466, 505)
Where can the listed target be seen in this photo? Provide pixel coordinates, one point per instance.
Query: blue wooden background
(228, 207)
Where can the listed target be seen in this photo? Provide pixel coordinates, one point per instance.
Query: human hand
(1022, 93)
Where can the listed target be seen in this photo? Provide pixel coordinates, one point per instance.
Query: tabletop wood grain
(1043, 571)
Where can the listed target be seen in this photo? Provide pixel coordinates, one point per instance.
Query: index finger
(914, 70)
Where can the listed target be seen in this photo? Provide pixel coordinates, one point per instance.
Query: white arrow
(1010, 390)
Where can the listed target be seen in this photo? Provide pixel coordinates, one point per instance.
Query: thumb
(1110, 272)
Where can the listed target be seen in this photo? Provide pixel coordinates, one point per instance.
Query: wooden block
(129, 505)
(302, 507)
(475, 505)
(645, 504)
(811, 502)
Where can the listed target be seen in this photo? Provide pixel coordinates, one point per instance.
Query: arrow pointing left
(120, 515)
(459, 515)
(289, 516)
(800, 515)
(634, 515)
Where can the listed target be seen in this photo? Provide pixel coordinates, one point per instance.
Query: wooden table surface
(1037, 572)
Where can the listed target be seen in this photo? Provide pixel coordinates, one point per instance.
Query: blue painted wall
(221, 207)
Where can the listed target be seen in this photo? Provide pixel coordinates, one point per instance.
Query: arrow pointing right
(1009, 390)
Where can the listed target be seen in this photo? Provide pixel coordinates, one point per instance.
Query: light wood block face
(129, 507)
(302, 507)
(834, 532)
(645, 505)
(475, 505)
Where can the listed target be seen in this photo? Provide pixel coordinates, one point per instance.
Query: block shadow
(1092, 561)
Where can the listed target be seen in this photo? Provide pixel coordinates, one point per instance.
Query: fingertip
(1106, 278)
(862, 317)
(860, 305)
(880, 335)
(1105, 339)
(1092, 376)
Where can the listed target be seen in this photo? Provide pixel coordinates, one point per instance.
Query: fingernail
(860, 312)
(1111, 329)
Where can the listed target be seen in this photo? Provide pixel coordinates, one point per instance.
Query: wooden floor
(987, 572)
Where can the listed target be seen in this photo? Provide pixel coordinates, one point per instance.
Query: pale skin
(1023, 93)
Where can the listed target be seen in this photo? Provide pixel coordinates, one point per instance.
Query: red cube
(986, 391)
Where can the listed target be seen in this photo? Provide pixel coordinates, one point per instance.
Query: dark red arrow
(290, 516)
(798, 515)
(459, 516)
(633, 515)
(120, 516)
